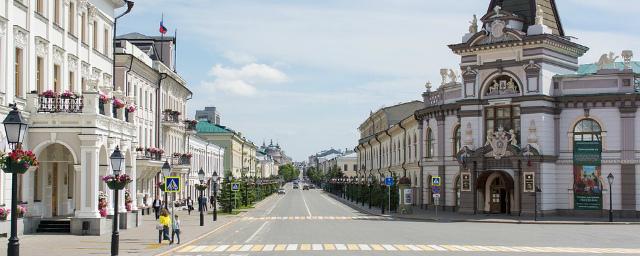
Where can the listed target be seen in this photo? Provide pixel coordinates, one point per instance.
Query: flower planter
(116, 185)
(11, 166)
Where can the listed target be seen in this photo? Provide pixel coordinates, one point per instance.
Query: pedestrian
(189, 205)
(157, 203)
(165, 221)
(212, 201)
(204, 203)
(176, 228)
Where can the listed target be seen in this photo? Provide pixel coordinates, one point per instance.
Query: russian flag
(163, 29)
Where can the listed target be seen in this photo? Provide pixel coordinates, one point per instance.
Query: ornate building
(525, 116)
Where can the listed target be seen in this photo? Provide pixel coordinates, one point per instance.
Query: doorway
(498, 197)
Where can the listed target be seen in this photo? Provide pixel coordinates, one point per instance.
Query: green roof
(206, 127)
(593, 68)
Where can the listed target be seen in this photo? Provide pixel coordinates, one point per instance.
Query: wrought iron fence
(60, 105)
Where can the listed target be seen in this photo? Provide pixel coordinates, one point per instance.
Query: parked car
(281, 191)
(312, 186)
(295, 186)
(305, 187)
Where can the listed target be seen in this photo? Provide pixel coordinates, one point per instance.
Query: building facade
(239, 153)
(525, 122)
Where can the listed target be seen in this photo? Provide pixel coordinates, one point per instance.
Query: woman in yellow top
(165, 221)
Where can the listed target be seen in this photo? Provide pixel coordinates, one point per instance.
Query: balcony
(190, 125)
(149, 154)
(170, 116)
(60, 104)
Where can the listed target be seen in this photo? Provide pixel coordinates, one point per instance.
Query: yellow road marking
(187, 248)
(305, 247)
(234, 248)
(257, 248)
(210, 248)
(280, 247)
(401, 247)
(353, 247)
(329, 247)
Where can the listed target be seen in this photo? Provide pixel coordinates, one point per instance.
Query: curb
(458, 220)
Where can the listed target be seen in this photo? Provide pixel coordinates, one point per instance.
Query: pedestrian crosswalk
(399, 248)
(293, 218)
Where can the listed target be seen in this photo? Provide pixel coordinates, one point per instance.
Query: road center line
(256, 233)
(306, 205)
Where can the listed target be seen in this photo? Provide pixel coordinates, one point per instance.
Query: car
(295, 186)
(281, 191)
(305, 187)
(312, 186)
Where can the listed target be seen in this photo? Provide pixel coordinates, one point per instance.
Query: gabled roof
(526, 9)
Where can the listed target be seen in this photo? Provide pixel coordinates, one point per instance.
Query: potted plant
(201, 187)
(49, 94)
(104, 99)
(4, 213)
(117, 103)
(117, 182)
(176, 154)
(160, 185)
(102, 204)
(127, 200)
(139, 149)
(131, 108)
(68, 95)
(176, 113)
(18, 160)
(22, 210)
(187, 155)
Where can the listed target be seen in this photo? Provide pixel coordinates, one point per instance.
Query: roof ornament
(473, 28)
(428, 86)
(607, 61)
(497, 10)
(539, 16)
(444, 73)
(626, 58)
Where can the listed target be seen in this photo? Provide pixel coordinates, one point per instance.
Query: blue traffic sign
(435, 190)
(435, 181)
(388, 181)
(172, 184)
(235, 186)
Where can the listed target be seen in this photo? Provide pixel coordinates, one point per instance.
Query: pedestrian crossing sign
(435, 181)
(172, 184)
(235, 186)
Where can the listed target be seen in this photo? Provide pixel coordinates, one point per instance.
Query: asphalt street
(310, 222)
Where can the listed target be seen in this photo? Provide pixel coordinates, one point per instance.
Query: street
(301, 222)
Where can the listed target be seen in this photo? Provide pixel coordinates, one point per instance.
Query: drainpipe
(404, 151)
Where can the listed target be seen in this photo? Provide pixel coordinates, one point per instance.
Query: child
(165, 221)
(176, 229)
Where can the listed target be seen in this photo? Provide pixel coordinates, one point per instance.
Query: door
(498, 197)
(54, 190)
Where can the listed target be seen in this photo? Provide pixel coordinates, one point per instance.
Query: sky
(306, 73)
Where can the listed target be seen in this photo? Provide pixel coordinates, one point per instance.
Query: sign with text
(435, 190)
(172, 184)
(408, 196)
(587, 172)
(529, 182)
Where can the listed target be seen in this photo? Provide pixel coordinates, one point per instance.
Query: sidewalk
(447, 216)
(142, 240)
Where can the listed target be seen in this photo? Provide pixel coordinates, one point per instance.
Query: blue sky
(306, 73)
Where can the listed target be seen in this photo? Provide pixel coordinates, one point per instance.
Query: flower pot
(11, 166)
(116, 185)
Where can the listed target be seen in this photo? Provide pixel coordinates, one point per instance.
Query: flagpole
(175, 50)
(162, 41)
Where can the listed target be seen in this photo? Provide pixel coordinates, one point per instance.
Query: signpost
(435, 190)
(389, 182)
(235, 186)
(172, 184)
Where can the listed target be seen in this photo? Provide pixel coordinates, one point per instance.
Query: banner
(587, 170)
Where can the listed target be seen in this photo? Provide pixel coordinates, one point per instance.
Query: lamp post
(215, 195)
(116, 164)
(201, 199)
(16, 128)
(166, 171)
(610, 180)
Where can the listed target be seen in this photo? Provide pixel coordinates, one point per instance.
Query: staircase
(54, 226)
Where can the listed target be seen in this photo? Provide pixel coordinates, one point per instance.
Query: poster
(408, 193)
(587, 172)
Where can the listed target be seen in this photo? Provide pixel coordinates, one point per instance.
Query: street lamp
(16, 128)
(116, 164)
(166, 171)
(215, 195)
(201, 199)
(610, 180)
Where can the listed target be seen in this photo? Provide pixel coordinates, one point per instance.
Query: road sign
(388, 181)
(435, 181)
(435, 190)
(172, 184)
(235, 186)
(436, 195)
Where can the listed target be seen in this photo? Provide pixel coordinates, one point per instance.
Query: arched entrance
(54, 181)
(497, 192)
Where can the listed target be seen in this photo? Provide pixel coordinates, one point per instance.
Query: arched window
(457, 140)
(429, 146)
(587, 130)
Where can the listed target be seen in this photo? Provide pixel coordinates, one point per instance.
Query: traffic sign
(235, 186)
(435, 190)
(435, 181)
(436, 195)
(172, 184)
(388, 181)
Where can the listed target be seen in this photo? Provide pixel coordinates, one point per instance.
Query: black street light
(610, 180)
(16, 128)
(166, 171)
(201, 201)
(215, 178)
(116, 164)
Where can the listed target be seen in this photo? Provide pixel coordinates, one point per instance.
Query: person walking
(157, 204)
(189, 205)
(176, 228)
(212, 201)
(165, 221)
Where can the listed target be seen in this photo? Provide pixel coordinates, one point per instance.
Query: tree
(225, 197)
(288, 172)
(315, 175)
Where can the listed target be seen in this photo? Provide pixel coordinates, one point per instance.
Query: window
(355, 167)
(40, 7)
(587, 130)
(56, 78)
(56, 12)
(18, 73)
(72, 18)
(346, 168)
(83, 27)
(429, 148)
(72, 81)
(457, 140)
(507, 117)
(95, 35)
(39, 74)
(105, 47)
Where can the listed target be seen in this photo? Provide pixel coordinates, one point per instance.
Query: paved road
(313, 223)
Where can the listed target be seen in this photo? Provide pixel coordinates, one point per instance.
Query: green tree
(225, 197)
(288, 172)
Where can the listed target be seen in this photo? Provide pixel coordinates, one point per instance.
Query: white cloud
(244, 81)
(239, 58)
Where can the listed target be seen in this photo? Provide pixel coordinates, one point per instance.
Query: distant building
(211, 114)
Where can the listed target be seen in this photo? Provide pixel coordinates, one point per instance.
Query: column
(88, 177)
(77, 192)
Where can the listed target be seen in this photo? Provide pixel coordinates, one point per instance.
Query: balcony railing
(171, 117)
(149, 155)
(181, 160)
(59, 104)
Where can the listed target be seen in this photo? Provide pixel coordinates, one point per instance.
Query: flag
(163, 29)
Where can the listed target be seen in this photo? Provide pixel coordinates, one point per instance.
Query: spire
(527, 9)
